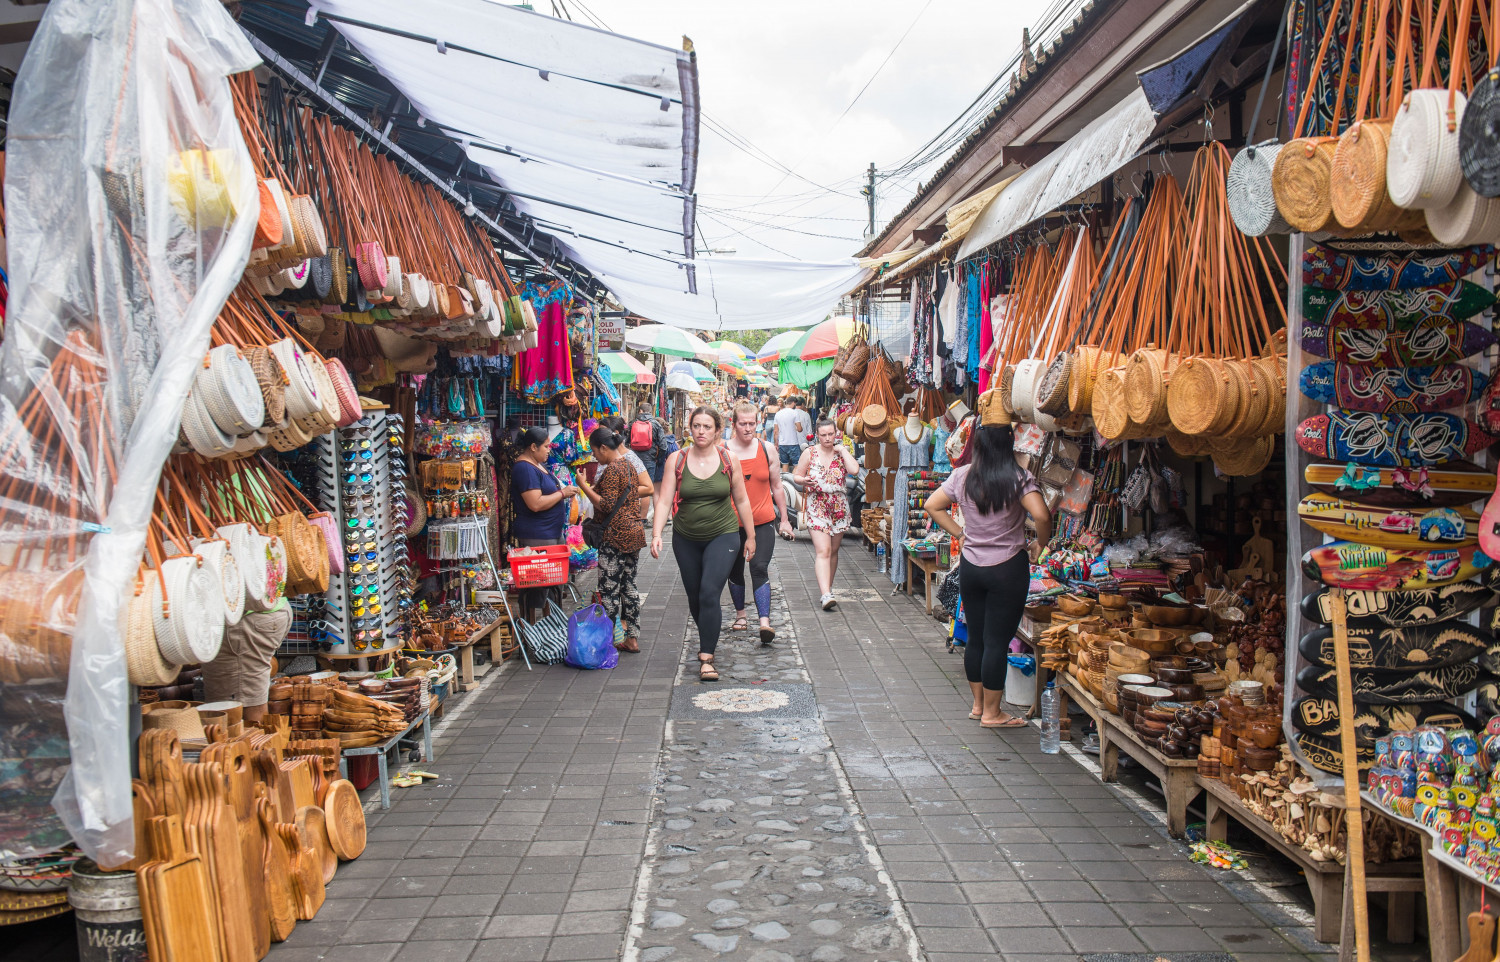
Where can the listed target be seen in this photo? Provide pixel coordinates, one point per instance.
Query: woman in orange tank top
(762, 474)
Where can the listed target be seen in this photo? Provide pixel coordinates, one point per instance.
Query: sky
(781, 75)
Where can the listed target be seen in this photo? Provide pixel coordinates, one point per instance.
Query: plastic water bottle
(880, 557)
(1051, 729)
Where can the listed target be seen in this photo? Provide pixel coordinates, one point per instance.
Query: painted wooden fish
(1396, 686)
(1390, 527)
(1401, 609)
(1373, 645)
(1346, 564)
(1325, 266)
(1392, 390)
(1459, 300)
(1391, 440)
(1432, 340)
(1452, 484)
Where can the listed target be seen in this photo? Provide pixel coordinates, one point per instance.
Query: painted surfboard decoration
(1432, 340)
(1391, 440)
(1401, 609)
(1325, 754)
(1315, 715)
(1396, 686)
(1392, 390)
(1452, 484)
(1373, 645)
(1327, 267)
(1347, 564)
(1390, 527)
(1489, 525)
(1459, 300)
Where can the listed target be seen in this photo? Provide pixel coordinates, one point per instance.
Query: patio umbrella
(672, 341)
(822, 340)
(774, 348)
(679, 381)
(733, 366)
(738, 351)
(693, 370)
(624, 369)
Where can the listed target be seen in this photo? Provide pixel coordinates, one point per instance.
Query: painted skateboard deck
(1455, 483)
(1392, 390)
(1348, 564)
(1391, 440)
(1325, 754)
(1373, 645)
(1433, 340)
(1459, 300)
(1390, 527)
(1313, 715)
(1396, 686)
(1326, 266)
(1401, 609)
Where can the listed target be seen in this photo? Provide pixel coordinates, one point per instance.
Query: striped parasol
(624, 369)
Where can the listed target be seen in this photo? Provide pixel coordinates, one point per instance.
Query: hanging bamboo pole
(1353, 819)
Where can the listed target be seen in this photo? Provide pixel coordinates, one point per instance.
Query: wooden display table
(381, 751)
(1179, 776)
(466, 674)
(928, 566)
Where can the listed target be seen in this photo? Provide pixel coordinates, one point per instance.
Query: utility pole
(869, 191)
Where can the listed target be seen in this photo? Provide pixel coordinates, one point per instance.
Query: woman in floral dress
(821, 472)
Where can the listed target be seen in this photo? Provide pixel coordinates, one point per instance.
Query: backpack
(723, 466)
(640, 435)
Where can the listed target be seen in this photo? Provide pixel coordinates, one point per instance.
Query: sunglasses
(368, 556)
(353, 544)
(359, 611)
(360, 522)
(365, 477)
(362, 455)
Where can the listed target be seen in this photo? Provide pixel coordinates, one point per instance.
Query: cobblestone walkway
(859, 815)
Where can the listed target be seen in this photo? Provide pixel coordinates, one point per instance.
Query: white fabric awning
(1089, 156)
(595, 137)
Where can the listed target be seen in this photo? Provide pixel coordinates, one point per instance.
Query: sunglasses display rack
(361, 610)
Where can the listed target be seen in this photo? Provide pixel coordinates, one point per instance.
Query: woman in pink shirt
(993, 494)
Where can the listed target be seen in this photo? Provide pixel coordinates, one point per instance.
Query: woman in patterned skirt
(617, 502)
(822, 470)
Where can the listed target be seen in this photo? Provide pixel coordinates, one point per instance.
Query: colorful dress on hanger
(915, 456)
(547, 369)
(940, 460)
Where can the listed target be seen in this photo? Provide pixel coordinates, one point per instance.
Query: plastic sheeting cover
(588, 150)
(1089, 156)
(130, 206)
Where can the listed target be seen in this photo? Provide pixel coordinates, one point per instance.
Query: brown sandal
(706, 670)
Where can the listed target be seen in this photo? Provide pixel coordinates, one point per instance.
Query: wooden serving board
(1374, 645)
(1391, 440)
(214, 834)
(233, 759)
(344, 818)
(177, 908)
(312, 831)
(1396, 686)
(281, 900)
(1453, 484)
(1390, 527)
(1402, 609)
(1347, 564)
(306, 874)
(1392, 390)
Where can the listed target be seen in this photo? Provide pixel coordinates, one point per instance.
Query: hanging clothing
(940, 460)
(971, 355)
(986, 327)
(547, 369)
(915, 455)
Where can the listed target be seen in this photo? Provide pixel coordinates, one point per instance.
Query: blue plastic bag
(591, 639)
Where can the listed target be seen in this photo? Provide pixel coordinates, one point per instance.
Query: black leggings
(760, 570)
(994, 598)
(704, 566)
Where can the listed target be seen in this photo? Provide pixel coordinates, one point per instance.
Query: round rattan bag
(1300, 180)
(1252, 200)
(144, 664)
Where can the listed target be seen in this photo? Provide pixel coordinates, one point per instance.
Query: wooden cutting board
(295, 788)
(306, 874)
(161, 769)
(214, 833)
(239, 782)
(176, 899)
(313, 833)
(344, 818)
(277, 868)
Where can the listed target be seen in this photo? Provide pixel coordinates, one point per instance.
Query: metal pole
(869, 192)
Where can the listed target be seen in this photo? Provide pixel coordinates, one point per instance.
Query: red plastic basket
(539, 567)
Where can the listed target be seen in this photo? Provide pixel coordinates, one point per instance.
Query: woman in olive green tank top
(709, 505)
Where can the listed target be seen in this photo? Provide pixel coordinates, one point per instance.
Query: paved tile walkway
(606, 815)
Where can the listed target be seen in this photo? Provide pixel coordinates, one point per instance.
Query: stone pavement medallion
(700, 702)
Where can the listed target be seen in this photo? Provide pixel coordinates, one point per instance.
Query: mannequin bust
(913, 428)
(554, 427)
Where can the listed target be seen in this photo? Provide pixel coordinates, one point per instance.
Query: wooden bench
(929, 567)
(1178, 775)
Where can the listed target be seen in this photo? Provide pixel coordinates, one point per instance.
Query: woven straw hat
(184, 721)
(991, 410)
(1252, 201)
(1300, 179)
(1421, 166)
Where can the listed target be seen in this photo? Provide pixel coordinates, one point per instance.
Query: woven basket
(1084, 371)
(1147, 375)
(1242, 458)
(873, 414)
(1023, 389)
(1270, 374)
(856, 427)
(1467, 219)
(1421, 166)
(857, 363)
(1356, 182)
(272, 380)
(1005, 383)
(1185, 445)
(1052, 389)
(1252, 201)
(1255, 399)
(1110, 419)
(1300, 181)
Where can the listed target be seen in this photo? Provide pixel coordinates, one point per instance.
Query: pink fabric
(986, 328)
(547, 368)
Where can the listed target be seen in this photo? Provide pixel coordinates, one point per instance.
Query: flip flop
(1011, 721)
(767, 635)
(975, 715)
(740, 624)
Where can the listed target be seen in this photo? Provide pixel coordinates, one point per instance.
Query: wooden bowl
(1075, 606)
(1168, 616)
(1153, 641)
(1114, 601)
(1137, 679)
(1174, 676)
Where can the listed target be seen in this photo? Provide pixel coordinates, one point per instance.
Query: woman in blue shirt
(541, 505)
